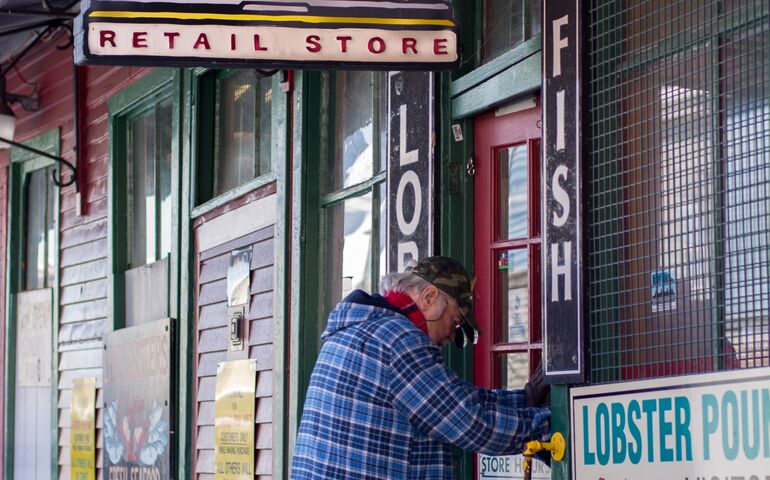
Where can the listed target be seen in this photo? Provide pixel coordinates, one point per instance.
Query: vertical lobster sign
(562, 171)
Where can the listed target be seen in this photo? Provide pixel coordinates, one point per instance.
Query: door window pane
(514, 370)
(149, 172)
(513, 219)
(513, 281)
(243, 129)
(349, 227)
(39, 253)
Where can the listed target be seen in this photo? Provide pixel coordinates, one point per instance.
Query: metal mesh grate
(679, 172)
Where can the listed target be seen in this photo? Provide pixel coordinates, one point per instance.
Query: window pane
(514, 194)
(149, 164)
(383, 227)
(353, 158)
(243, 133)
(382, 105)
(513, 281)
(503, 26)
(39, 255)
(349, 238)
(514, 370)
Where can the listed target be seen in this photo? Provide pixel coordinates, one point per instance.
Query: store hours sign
(371, 34)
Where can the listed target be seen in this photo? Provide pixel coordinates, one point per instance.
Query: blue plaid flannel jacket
(383, 405)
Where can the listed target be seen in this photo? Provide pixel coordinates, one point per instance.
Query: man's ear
(427, 297)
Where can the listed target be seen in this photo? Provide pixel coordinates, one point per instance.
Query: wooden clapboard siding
(212, 335)
(83, 274)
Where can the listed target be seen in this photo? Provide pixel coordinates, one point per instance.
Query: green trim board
(22, 163)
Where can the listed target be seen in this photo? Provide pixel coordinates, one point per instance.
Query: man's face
(441, 313)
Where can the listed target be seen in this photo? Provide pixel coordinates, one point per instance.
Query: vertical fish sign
(563, 79)
(364, 34)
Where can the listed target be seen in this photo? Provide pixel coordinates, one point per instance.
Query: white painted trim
(237, 223)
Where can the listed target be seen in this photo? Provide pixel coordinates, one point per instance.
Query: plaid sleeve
(439, 404)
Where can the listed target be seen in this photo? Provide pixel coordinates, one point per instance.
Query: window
(39, 269)
(508, 23)
(679, 176)
(354, 191)
(149, 185)
(235, 130)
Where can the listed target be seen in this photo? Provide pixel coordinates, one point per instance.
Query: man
(383, 405)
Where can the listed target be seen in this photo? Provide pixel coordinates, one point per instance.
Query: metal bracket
(59, 160)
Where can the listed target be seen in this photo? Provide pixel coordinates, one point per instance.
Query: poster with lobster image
(137, 401)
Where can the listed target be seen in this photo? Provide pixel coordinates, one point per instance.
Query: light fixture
(7, 118)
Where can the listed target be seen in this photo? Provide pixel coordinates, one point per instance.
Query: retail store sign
(371, 34)
(410, 168)
(562, 216)
(712, 426)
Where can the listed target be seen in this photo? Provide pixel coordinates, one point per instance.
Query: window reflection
(513, 278)
(349, 227)
(514, 370)
(513, 171)
(40, 230)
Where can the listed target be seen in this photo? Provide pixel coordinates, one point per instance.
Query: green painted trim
(488, 71)
(185, 338)
(282, 262)
(560, 422)
(237, 192)
(147, 86)
(524, 77)
(22, 163)
(354, 191)
(310, 149)
(455, 188)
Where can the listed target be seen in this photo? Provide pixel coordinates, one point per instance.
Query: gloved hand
(536, 392)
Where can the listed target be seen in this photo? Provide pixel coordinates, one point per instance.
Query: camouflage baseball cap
(451, 278)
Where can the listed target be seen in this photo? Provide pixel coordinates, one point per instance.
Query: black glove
(536, 392)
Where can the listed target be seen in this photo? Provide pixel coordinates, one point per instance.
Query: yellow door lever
(556, 446)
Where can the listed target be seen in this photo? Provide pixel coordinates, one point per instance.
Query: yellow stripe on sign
(273, 18)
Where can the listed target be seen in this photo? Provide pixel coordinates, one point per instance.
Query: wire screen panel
(679, 187)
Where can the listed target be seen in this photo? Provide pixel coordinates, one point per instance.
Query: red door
(507, 248)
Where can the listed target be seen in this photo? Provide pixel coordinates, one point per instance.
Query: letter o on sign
(409, 177)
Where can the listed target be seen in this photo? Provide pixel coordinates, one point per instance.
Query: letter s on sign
(313, 45)
(561, 196)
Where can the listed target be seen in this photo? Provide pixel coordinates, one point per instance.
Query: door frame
(23, 162)
(492, 132)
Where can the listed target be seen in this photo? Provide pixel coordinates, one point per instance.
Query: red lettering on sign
(409, 43)
(140, 39)
(171, 36)
(106, 36)
(202, 40)
(313, 45)
(232, 41)
(376, 49)
(257, 45)
(344, 43)
(439, 46)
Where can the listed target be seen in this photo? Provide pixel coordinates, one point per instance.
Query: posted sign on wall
(562, 249)
(684, 428)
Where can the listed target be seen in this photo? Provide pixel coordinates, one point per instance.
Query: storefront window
(149, 183)
(680, 190)
(243, 130)
(354, 204)
(508, 23)
(40, 229)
